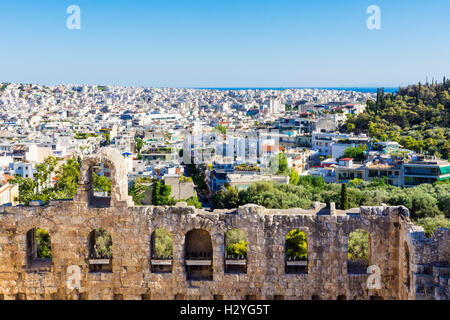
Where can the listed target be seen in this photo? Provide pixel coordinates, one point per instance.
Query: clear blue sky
(225, 43)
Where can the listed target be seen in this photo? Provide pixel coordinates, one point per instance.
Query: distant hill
(416, 116)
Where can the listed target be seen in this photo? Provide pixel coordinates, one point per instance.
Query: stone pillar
(332, 209)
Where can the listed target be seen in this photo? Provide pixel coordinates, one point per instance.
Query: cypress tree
(344, 197)
(156, 191)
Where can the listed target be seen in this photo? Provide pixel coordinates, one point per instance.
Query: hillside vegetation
(417, 117)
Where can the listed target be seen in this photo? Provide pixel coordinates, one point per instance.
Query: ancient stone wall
(69, 224)
(410, 265)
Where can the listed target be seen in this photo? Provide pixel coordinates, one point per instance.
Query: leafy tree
(161, 194)
(27, 188)
(294, 177)
(317, 183)
(221, 128)
(103, 244)
(163, 243)
(356, 182)
(228, 198)
(198, 176)
(378, 182)
(236, 243)
(44, 249)
(237, 249)
(351, 127)
(430, 224)
(358, 245)
(276, 196)
(280, 164)
(137, 192)
(296, 244)
(102, 183)
(357, 153)
(44, 173)
(193, 201)
(42, 187)
(106, 137)
(67, 178)
(139, 145)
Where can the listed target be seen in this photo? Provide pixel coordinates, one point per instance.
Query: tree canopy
(417, 117)
(423, 201)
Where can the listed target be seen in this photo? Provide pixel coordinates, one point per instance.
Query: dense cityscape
(209, 145)
(229, 151)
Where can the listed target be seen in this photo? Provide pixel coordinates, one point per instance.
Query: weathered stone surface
(412, 266)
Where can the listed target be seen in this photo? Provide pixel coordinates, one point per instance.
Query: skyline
(272, 44)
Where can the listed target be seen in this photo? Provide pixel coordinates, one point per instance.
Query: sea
(357, 89)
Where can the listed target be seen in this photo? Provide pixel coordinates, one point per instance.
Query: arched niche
(198, 252)
(111, 159)
(358, 251)
(296, 252)
(161, 249)
(235, 251)
(100, 251)
(39, 250)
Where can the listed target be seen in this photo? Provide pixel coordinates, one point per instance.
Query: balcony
(298, 265)
(236, 264)
(100, 263)
(198, 259)
(161, 264)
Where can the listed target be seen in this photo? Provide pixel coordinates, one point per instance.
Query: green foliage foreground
(236, 243)
(162, 243)
(428, 204)
(44, 249)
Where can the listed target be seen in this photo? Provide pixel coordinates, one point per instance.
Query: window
(39, 250)
(198, 255)
(100, 251)
(101, 184)
(161, 251)
(358, 251)
(235, 251)
(296, 256)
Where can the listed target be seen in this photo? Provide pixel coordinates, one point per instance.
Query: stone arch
(112, 159)
(358, 251)
(161, 248)
(235, 251)
(198, 250)
(296, 251)
(38, 246)
(100, 244)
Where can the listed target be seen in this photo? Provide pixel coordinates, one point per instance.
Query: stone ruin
(409, 265)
